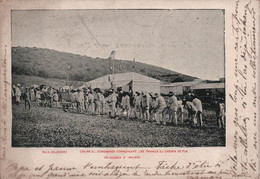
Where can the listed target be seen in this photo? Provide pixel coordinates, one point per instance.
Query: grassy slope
(45, 127)
(48, 63)
(27, 81)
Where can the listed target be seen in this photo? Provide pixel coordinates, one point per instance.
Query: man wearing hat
(112, 98)
(17, 94)
(173, 106)
(160, 109)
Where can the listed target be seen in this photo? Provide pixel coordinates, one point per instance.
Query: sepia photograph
(118, 78)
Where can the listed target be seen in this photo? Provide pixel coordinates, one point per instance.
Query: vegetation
(27, 81)
(48, 63)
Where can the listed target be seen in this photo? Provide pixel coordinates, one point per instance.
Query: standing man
(137, 105)
(86, 100)
(73, 98)
(97, 100)
(79, 100)
(32, 94)
(91, 102)
(173, 106)
(220, 113)
(112, 98)
(50, 97)
(27, 99)
(55, 98)
(197, 103)
(103, 102)
(145, 106)
(160, 109)
(38, 96)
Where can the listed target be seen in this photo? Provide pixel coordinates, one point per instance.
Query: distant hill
(48, 63)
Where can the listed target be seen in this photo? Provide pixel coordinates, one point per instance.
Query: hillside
(48, 63)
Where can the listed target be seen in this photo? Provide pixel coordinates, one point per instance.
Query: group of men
(124, 105)
(45, 96)
(143, 106)
(155, 107)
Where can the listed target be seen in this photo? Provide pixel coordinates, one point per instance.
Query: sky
(186, 41)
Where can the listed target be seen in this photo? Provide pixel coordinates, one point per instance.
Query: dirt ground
(52, 127)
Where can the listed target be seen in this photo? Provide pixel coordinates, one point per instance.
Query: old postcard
(117, 89)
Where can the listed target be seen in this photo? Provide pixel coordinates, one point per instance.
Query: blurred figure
(73, 95)
(13, 93)
(17, 94)
(27, 99)
(103, 103)
(32, 94)
(86, 102)
(38, 96)
(97, 100)
(112, 98)
(126, 104)
(145, 106)
(55, 98)
(192, 110)
(160, 109)
(91, 102)
(79, 100)
(197, 103)
(180, 110)
(50, 96)
(137, 105)
(151, 107)
(173, 106)
(220, 113)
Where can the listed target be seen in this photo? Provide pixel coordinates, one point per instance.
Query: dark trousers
(50, 102)
(27, 102)
(199, 118)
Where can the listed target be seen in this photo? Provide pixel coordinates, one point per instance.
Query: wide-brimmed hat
(171, 93)
(97, 90)
(126, 93)
(155, 95)
(18, 85)
(192, 94)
